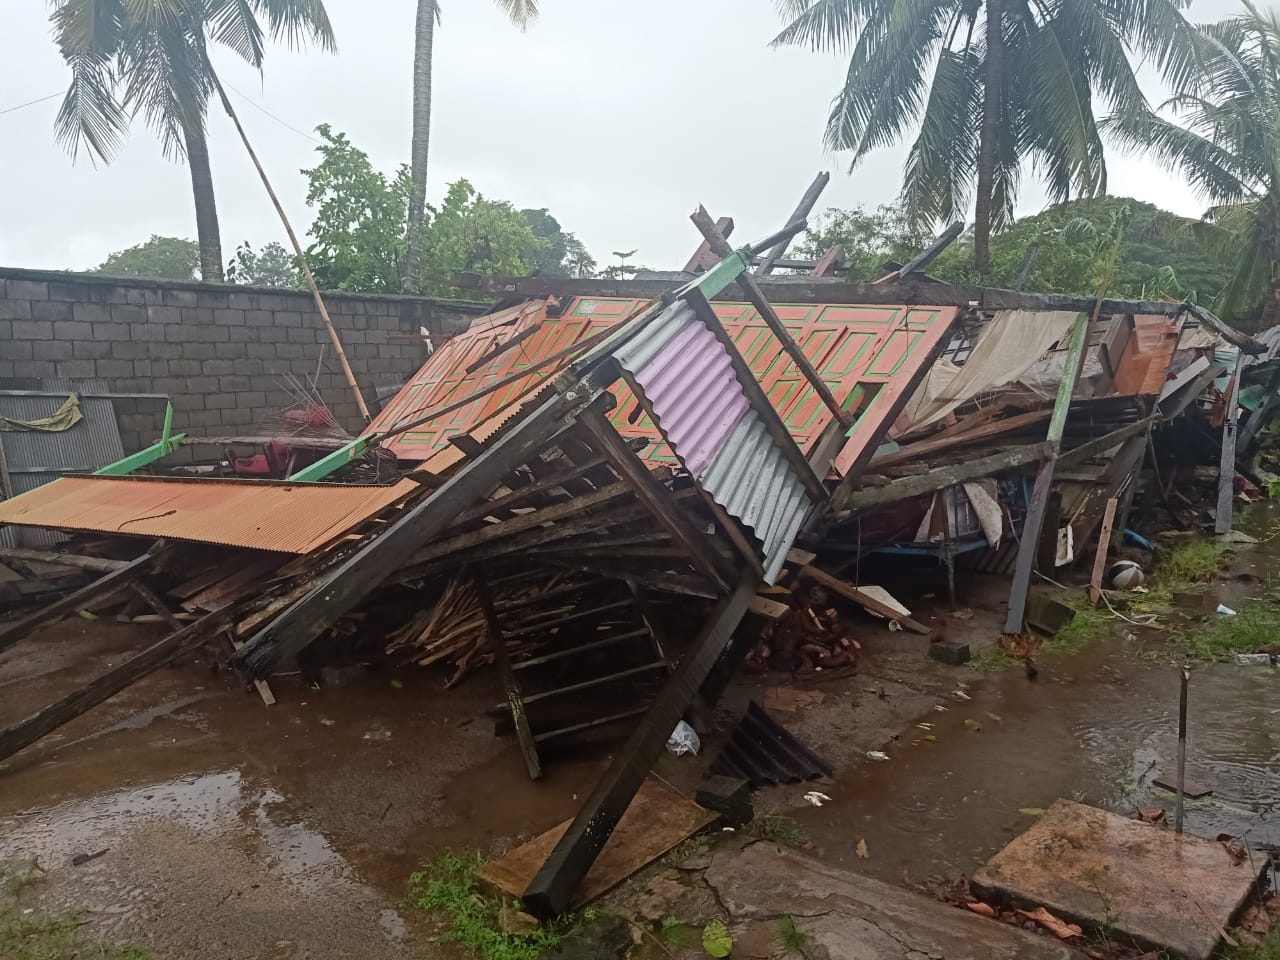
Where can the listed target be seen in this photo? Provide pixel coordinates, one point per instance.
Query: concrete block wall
(218, 351)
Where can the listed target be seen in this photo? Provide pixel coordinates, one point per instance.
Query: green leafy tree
(150, 58)
(565, 255)
(521, 13)
(1228, 147)
(990, 87)
(358, 237)
(169, 258)
(272, 266)
(869, 239)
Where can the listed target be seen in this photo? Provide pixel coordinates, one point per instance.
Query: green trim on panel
(161, 448)
(354, 450)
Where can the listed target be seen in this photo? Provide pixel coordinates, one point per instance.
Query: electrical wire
(30, 103)
(258, 106)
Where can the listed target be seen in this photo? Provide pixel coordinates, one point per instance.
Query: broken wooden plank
(78, 600)
(922, 449)
(58, 557)
(767, 608)
(560, 877)
(343, 588)
(1100, 558)
(155, 603)
(802, 210)
(515, 700)
(859, 501)
(45, 721)
(850, 592)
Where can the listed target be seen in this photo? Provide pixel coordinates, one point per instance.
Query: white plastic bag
(684, 739)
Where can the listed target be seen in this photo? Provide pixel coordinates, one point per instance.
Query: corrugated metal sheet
(258, 514)
(689, 382)
(1270, 338)
(35, 458)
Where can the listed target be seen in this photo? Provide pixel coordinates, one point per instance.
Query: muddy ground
(233, 830)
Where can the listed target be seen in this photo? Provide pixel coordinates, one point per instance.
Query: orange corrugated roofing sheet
(259, 514)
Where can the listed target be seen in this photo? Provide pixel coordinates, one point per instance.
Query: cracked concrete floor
(777, 902)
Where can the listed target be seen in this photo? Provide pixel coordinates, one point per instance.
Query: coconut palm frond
(940, 169)
(520, 12)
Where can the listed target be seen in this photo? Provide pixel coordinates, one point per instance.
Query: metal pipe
(1182, 747)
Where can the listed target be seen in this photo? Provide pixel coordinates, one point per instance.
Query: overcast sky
(619, 118)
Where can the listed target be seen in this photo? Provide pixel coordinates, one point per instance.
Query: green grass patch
(781, 830)
(794, 940)
(477, 922)
(1256, 625)
(30, 933)
(1090, 623)
(1269, 949)
(1192, 562)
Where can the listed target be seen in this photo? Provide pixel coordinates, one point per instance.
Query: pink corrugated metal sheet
(262, 515)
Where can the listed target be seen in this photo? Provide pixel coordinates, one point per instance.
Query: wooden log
(45, 721)
(1087, 451)
(702, 220)
(515, 700)
(803, 208)
(860, 501)
(1100, 558)
(97, 564)
(850, 592)
(552, 889)
(655, 497)
(380, 557)
(923, 449)
(72, 602)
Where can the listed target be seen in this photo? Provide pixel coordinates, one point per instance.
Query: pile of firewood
(810, 637)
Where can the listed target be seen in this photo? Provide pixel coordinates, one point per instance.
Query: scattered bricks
(178, 298)
(230, 318)
(86, 313)
(343, 676)
(727, 796)
(51, 350)
(110, 331)
(129, 313)
(26, 289)
(110, 369)
(952, 652)
(33, 329)
(90, 349)
(51, 310)
(15, 309)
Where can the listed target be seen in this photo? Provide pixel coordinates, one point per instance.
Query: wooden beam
(1227, 460)
(45, 721)
(552, 889)
(868, 498)
(498, 646)
(703, 257)
(72, 602)
(850, 592)
(295, 628)
(1097, 446)
(927, 255)
(655, 497)
(1100, 558)
(97, 564)
(829, 262)
(803, 208)
(821, 290)
(702, 220)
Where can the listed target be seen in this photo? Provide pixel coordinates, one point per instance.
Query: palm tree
(150, 58)
(1228, 147)
(520, 12)
(992, 86)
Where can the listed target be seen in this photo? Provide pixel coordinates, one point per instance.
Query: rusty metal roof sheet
(258, 514)
(689, 382)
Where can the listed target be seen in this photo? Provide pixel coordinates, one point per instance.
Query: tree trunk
(206, 207)
(424, 37)
(1271, 305)
(993, 81)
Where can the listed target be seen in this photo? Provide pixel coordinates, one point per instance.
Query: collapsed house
(594, 461)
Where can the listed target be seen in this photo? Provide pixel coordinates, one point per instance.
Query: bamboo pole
(297, 250)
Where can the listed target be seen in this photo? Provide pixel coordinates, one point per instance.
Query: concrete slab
(1100, 869)
(849, 916)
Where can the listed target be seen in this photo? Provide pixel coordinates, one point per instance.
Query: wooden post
(498, 644)
(297, 250)
(807, 202)
(552, 889)
(45, 721)
(1100, 558)
(925, 256)
(1037, 507)
(719, 245)
(1227, 460)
